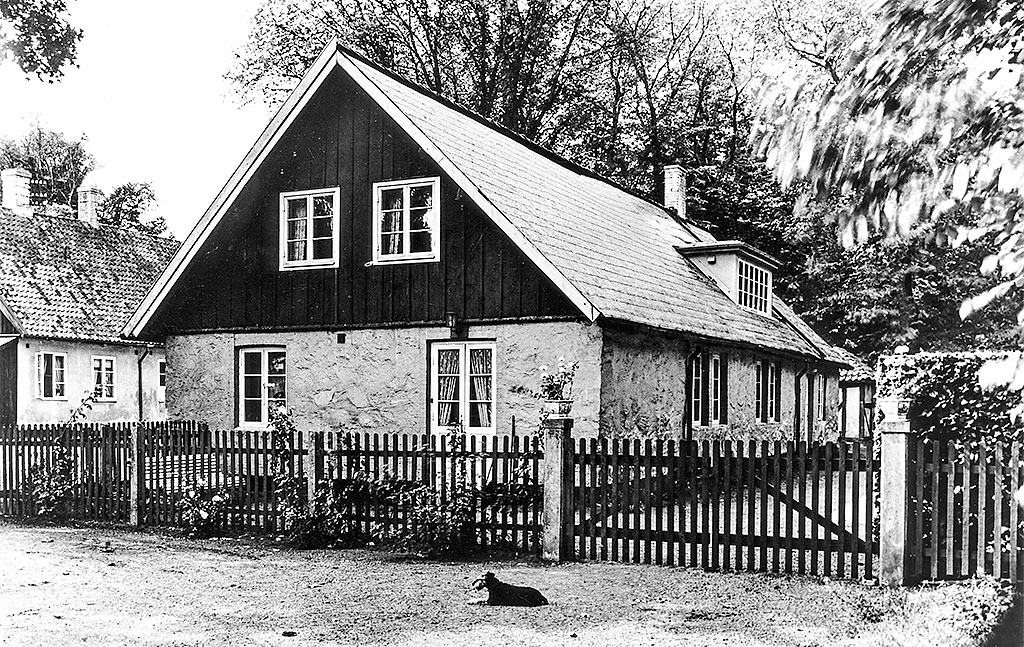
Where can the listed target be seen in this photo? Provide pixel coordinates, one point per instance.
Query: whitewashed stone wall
(378, 379)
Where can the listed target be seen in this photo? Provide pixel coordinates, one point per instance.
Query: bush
(202, 508)
(947, 399)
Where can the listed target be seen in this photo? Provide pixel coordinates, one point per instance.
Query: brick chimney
(17, 190)
(675, 189)
(88, 205)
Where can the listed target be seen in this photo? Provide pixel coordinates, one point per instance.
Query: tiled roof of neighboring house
(616, 248)
(859, 370)
(63, 278)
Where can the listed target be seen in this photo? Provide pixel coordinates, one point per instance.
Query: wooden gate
(727, 505)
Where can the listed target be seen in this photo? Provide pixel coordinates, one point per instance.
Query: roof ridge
(503, 130)
(126, 230)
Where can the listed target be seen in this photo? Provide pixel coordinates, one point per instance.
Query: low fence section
(963, 519)
(733, 505)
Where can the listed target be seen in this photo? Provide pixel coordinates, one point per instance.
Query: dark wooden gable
(342, 138)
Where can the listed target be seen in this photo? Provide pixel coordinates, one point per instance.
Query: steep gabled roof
(613, 254)
(63, 278)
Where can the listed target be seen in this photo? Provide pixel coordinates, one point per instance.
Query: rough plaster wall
(643, 384)
(644, 391)
(377, 380)
(78, 382)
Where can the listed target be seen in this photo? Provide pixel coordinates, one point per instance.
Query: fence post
(557, 478)
(894, 499)
(313, 465)
(137, 476)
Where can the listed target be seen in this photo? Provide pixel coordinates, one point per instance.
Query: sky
(150, 98)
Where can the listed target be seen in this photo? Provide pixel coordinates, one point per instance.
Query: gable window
(754, 287)
(406, 220)
(50, 375)
(715, 388)
(262, 376)
(103, 378)
(696, 389)
(462, 386)
(819, 396)
(309, 228)
(161, 387)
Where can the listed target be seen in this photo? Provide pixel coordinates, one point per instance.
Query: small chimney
(17, 190)
(89, 204)
(675, 189)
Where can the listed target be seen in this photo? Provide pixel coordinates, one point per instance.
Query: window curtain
(480, 387)
(447, 387)
(393, 242)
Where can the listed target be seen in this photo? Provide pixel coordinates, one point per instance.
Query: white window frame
(310, 262)
(464, 348)
(39, 375)
(773, 383)
(715, 389)
(161, 381)
(759, 403)
(819, 396)
(753, 287)
(434, 220)
(113, 377)
(264, 384)
(696, 389)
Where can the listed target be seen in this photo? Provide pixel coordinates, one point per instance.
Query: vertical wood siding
(343, 139)
(8, 375)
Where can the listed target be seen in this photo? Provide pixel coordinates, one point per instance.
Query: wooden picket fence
(756, 506)
(502, 472)
(963, 520)
(99, 452)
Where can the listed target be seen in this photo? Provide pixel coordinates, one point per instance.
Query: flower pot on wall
(557, 408)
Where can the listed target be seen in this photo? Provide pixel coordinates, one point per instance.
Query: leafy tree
(514, 62)
(58, 165)
(125, 206)
(925, 124)
(37, 36)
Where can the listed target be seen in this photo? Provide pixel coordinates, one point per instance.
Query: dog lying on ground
(500, 594)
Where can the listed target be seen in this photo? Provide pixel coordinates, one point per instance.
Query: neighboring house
(67, 287)
(386, 260)
(857, 387)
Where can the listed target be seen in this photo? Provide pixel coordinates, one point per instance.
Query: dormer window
(754, 287)
(309, 229)
(406, 220)
(741, 271)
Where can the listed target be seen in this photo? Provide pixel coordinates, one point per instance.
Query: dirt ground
(70, 586)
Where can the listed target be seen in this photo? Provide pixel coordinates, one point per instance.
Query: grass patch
(952, 614)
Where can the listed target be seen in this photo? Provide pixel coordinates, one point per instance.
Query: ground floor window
(819, 395)
(715, 388)
(262, 376)
(161, 387)
(696, 390)
(766, 397)
(103, 378)
(462, 386)
(50, 375)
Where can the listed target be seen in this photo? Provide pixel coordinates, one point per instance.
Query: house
(386, 260)
(67, 287)
(857, 388)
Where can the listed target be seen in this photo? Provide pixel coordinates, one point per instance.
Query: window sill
(434, 258)
(319, 265)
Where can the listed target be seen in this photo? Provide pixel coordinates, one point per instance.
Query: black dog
(506, 595)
